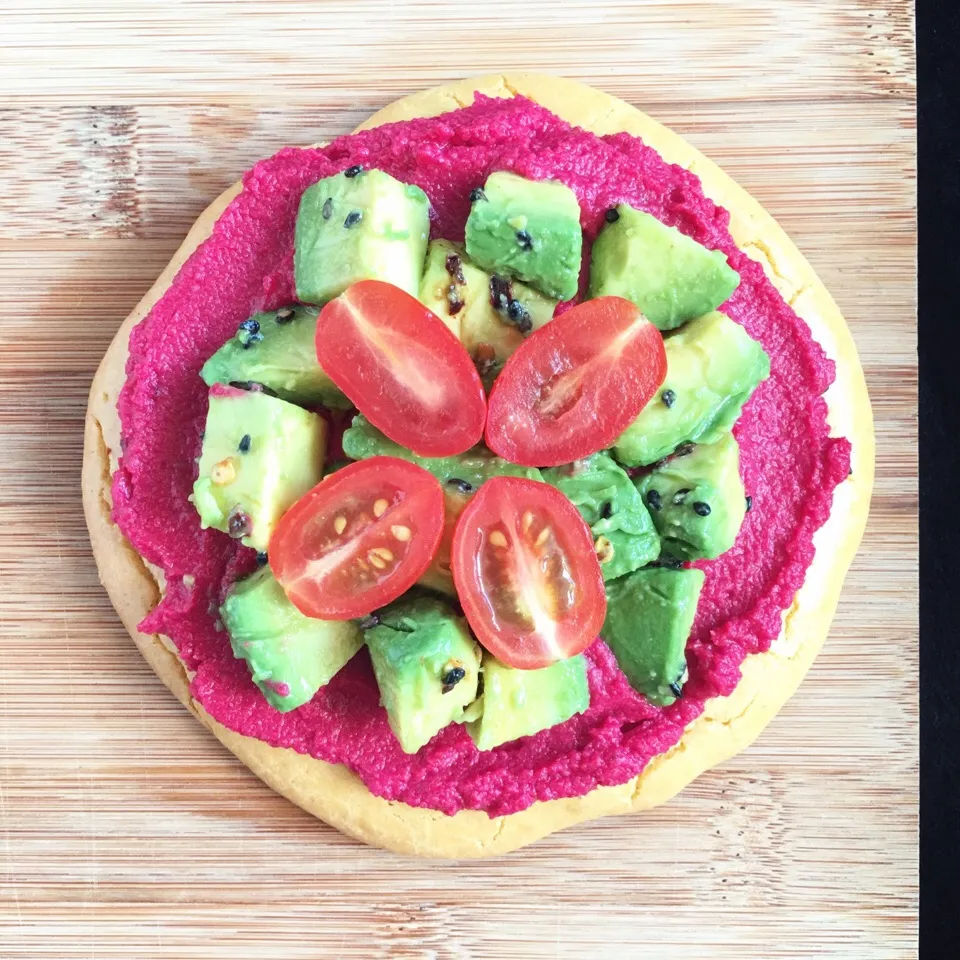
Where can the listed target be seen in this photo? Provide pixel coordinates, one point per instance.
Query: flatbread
(727, 725)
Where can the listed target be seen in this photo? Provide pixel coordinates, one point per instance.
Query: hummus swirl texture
(790, 464)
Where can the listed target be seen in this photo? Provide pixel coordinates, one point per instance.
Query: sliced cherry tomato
(574, 386)
(402, 368)
(527, 574)
(359, 538)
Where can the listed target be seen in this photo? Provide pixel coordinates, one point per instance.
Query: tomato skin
(527, 574)
(576, 384)
(359, 539)
(402, 368)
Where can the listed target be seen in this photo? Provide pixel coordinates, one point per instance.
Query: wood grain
(128, 832)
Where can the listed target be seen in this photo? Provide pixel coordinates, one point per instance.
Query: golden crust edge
(331, 792)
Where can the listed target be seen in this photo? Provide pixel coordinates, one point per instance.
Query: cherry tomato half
(359, 538)
(574, 386)
(526, 573)
(402, 368)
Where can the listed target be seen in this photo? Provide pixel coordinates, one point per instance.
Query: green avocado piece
(259, 456)
(713, 367)
(697, 501)
(278, 350)
(479, 307)
(362, 226)
(518, 703)
(670, 277)
(427, 666)
(290, 656)
(607, 499)
(649, 616)
(528, 229)
(362, 440)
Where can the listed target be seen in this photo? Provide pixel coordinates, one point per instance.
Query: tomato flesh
(359, 538)
(402, 368)
(576, 384)
(527, 574)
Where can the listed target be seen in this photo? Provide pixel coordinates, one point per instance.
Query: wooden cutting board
(126, 830)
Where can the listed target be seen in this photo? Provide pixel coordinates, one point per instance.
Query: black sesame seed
(250, 326)
(454, 303)
(353, 218)
(261, 558)
(477, 194)
(451, 678)
(676, 690)
(454, 267)
(327, 210)
(353, 171)
(238, 524)
(654, 500)
(670, 562)
(701, 509)
(245, 443)
(611, 216)
(519, 316)
(606, 511)
(285, 314)
(749, 504)
(525, 240)
(684, 450)
(667, 398)
(680, 496)
(368, 622)
(250, 339)
(501, 292)
(253, 387)
(461, 486)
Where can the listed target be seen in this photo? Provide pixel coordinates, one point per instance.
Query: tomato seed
(380, 507)
(340, 524)
(224, 472)
(383, 553)
(498, 539)
(542, 537)
(527, 521)
(403, 534)
(604, 549)
(376, 561)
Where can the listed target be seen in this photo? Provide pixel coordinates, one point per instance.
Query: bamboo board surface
(126, 830)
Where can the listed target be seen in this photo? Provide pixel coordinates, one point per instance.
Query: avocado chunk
(260, 455)
(359, 225)
(713, 367)
(697, 501)
(479, 307)
(438, 575)
(277, 349)
(529, 229)
(518, 703)
(362, 440)
(427, 666)
(649, 616)
(669, 276)
(624, 534)
(290, 656)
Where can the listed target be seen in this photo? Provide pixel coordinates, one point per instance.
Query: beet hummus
(790, 466)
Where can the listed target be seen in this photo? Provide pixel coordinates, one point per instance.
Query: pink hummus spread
(790, 465)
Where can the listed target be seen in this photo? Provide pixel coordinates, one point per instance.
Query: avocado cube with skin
(365, 226)
(519, 703)
(290, 656)
(529, 229)
(278, 350)
(668, 275)
(260, 455)
(650, 614)
(624, 534)
(697, 501)
(427, 666)
(479, 307)
(362, 440)
(713, 368)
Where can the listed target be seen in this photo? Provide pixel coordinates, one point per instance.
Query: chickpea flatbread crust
(728, 724)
